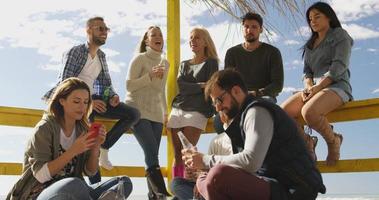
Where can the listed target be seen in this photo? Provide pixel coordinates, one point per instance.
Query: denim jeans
(74, 188)
(149, 134)
(182, 188)
(128, 117)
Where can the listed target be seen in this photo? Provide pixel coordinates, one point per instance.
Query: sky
(35, 36)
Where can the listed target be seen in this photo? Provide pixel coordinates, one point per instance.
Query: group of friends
(261, 151)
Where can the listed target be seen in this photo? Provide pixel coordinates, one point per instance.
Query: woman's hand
(157, 72)
(308, 93)
(81, 144)
(99, 140)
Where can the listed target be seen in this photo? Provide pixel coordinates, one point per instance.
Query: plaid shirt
(74, 62)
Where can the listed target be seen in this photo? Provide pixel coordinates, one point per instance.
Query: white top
(143, 93)
(43, 174)
(259, 129)
(90, 71)
(220, 145)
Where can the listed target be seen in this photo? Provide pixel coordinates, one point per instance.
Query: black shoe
(156, 182)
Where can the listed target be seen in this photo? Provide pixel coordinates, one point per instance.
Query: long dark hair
(62, 92)
(328, 11)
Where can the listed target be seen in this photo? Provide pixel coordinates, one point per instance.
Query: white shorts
(179, 118)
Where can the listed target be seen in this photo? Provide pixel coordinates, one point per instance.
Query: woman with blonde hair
(145, 87)
(190, 111)
(62, 148)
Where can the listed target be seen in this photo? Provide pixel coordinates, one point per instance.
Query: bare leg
(314, 113)
(293, 106)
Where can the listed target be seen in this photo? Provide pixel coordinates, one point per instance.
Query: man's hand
(114, 101)
(192, 158)
(99, 106)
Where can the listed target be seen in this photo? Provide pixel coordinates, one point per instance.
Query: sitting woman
(326, 78)
(190, 111)
(61, 149)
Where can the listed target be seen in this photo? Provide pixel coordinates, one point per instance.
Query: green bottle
(106, 94)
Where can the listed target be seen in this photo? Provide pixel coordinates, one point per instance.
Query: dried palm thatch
(293, 10)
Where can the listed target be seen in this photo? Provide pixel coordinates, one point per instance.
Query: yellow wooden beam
(16, 169)
(173, 55)
(355, 110)
(23, 117)
(355, 165)
(342, 166)
(10, 168)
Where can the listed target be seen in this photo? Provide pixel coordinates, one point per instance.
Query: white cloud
(358, 32)
(372, 50)
(52, 27)
(291, 89)
(291, 42)
(375, 91)
(110, 52)
(115, 66)
(303, 31)
(297, 62)
(54, 67)
(353, 10)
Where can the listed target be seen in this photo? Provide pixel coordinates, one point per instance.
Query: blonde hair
(142, 44)
(210, 49)
(64, 89)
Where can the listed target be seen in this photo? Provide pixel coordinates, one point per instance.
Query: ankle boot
(151, 194)
(156, 182)
(104, 160)
(334, 147)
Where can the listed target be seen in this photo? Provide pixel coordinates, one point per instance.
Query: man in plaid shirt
(87, 62)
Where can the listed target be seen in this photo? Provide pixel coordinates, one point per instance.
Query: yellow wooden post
(173, 55)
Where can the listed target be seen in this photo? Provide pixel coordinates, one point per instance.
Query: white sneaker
(103, 159)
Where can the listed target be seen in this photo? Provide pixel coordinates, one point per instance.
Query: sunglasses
(101, 28)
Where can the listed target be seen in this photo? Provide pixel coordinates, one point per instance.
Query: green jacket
(42, 147)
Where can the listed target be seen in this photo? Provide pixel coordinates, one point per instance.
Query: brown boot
(334, 149)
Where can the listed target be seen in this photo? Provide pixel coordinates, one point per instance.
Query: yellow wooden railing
(357, 110)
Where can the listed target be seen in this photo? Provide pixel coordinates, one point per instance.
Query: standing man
(87, 62)
(270, 160)
(259, 63)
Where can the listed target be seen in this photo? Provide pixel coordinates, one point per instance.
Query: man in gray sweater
(259, 63)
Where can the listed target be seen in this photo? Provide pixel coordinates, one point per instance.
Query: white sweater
(143, 93)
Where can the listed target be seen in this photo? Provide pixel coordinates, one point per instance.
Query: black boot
(155, 182)
(151, 194)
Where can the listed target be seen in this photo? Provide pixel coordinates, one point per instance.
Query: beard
(234, 109)
(98, 41)
(250, 38)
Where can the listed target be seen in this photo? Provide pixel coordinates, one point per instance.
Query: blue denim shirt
(331, 59)
(74, 61)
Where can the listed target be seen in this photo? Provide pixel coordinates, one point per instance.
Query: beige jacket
(42, 147)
